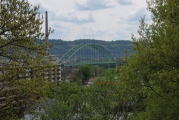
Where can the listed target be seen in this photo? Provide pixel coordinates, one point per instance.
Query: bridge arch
(87, 54)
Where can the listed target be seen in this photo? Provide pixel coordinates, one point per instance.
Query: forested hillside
(117, 48)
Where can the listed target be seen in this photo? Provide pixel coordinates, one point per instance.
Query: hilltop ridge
(115, 47)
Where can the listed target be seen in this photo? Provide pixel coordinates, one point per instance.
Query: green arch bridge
(84, 54)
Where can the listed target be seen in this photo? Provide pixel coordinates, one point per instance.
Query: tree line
(117, 48)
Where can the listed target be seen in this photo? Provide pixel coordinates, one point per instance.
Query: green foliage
(98, 70)
(109, 74)
(75, 76)
(86, 73)
(95, 102)
(81, 75)
(120, 61)
(22, 57)
(150, 78)
(65, 102)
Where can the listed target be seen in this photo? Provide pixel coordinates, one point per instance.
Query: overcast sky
(93, 19)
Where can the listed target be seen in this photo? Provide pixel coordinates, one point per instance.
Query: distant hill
(116, 48)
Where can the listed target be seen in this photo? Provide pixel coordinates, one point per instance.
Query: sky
(93, 19)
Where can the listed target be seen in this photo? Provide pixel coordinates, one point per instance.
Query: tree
(86, 73)
(109, 74)
(149, 79)
(101, 98)
(75, 76)
(22, 57)
(81, 75)
(94, 102)
(65, 104)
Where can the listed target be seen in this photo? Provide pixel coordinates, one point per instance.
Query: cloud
(98, 19)
(76, 18)
(136, 16)
(130, 24)
(125, 2)
(43, 5)
(57, 29)
(93, 4)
